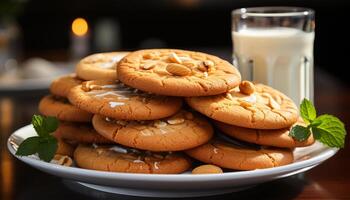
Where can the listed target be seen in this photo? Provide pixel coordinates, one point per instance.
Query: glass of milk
(274, 46)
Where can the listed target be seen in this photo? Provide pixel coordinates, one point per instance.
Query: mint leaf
(327, 129)
(47, 148)
(44, 144)
(307, 111)
(50, 124)
(330, 131)
(38, 122)
(28, 146)
(300, 133)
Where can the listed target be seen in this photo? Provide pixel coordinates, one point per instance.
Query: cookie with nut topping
(250, 105)
(175, 72)
(121, 159)
(100, 66)
(116, 100)
(275, 137)
(181, 131)
(230, 156)
(63, 110)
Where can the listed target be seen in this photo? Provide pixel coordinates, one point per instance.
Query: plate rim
(329, 152)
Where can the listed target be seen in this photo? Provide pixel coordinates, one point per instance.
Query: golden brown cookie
(265, 108)
(230, 156)
(275, 137)
(179, 132)
(62, 85)
(176, 72)
(61, 109)
(120, 159)
(64, 148)
(80, 132)
(114, 99)
(100, 66)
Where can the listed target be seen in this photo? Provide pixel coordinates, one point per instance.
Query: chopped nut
(174, 58)
(202, 68)
(208, 63)
(189, 115)
(161, 72)
(175, 121)
(247, 87)
(189, 63)
(178, 69)
(205, 74)
(207, 169)
(159, 124)
(148, 65)
(62, 160)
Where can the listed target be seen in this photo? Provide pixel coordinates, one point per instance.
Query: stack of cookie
(142, 125)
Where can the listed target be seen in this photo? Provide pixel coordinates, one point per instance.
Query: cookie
(230, 156)
(120, 159)
(61, 109)
(62, 85)
(64, 148)
(264, 108)
(179, 132)
(275, 137)
(79, 133)
(114, 99)
(174, 72)
(100, 66)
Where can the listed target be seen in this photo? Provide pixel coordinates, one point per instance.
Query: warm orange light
(80, 26)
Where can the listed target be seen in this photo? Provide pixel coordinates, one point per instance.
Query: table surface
(330, 180)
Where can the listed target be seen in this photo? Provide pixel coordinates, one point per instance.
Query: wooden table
(330, 180)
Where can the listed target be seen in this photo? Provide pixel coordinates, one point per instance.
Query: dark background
(191, 24)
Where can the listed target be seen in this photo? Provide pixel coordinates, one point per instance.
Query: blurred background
(45, 30)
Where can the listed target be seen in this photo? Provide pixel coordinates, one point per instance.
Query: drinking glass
(274, 46)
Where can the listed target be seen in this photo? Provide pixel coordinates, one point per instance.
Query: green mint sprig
(327, 129)
(44, 144)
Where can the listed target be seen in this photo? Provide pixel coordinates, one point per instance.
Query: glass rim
(273, 11)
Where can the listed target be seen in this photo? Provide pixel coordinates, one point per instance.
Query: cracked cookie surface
(62, 85)
(181, 131)
(116, 100)
(264, 108)
(120, 159)
(79, 133)
(100, 66)
(63, 110)
(230, 156)
(176, 72)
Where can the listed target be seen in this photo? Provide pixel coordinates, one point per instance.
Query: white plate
(179, 185)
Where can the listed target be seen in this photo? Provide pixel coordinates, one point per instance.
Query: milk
(279, 57)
